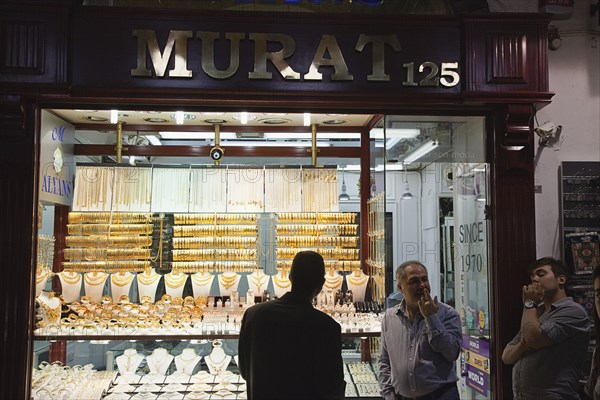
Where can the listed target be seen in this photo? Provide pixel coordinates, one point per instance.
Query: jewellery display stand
(49, 308)
(174, 283)
(147, 284)
(120, 284)
(202, 283)
(129, 362)
(217, 361)
(258, 281)
(228, 283)
(159, 361)
(94, 284)
(333, 280)
(357, 282)
(70, 282)
(187, 361)
(281, 283)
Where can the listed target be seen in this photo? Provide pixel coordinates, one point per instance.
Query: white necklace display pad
(357, 282)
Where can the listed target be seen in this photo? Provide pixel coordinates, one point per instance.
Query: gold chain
(95, 278)
(201, 280)
(148, 277)
(121, 279)
(175, 280)
(227, 281)
(70, 277)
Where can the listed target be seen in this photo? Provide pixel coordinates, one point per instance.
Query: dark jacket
(289, 350)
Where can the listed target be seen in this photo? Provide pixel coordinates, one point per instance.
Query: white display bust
(333, 280)
(41, 278)
(258, 281)
(71, 285)
(148, 283)
(201, 284)
(357, 282)
(94, 284)
(174, 283)
(120, 284)
(217, 361)
(186, 362)
(228, 282)
(281, 283)
(50, 307)
(158, 362)
(129, 361)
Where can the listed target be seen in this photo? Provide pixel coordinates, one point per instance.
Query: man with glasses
(420, 342)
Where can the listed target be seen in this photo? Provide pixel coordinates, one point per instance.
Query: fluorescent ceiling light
(114, 116)
(255, 143)
(420, 151)
(244, 117)
(195, 135)
(377, 133)
(153, 140)
(394, 167)
(307, 135)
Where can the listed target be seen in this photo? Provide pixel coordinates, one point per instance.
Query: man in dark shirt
(287, 348)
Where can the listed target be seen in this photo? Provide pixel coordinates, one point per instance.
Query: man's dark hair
(557, 266)
(308, 271)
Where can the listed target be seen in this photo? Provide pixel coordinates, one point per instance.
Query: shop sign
(56, 161)
(403, 57)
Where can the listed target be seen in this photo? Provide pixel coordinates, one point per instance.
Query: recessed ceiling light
(337, 115)
(87, 111)
(94, 119)
(213, 113)
(186, 117)
(276, 114)
(274, 121)
(251, 117)
(215, 121)
(334, 122)
(155, 120)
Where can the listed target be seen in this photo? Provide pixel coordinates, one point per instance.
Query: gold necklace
(95, 278)
(121, 278)
(148, 278)
(175, 280)
(283, 282)
(70, 277)
(227, 281)
(52, 314)
(258, 281)
(201, 280)
(357, 280)
(333, 282)
(40, 277)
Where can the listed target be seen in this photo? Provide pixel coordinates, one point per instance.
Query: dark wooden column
(18, 180)
(513, 229)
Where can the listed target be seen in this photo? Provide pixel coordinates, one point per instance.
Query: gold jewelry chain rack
(311, 241)
(213, 266)
(218, 219)
(339, 254)
(106, 266)
(317, 230)
(103, 254)
(317, 218)
(109, 217)
(113, 229)
(215, 254)
(211, 230)
(337, 265)
(210, 241)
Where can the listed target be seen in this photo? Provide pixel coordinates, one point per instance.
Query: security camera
(216, 154)
(548, 130)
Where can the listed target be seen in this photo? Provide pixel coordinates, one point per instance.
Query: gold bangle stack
(106, 266)
(94, 254)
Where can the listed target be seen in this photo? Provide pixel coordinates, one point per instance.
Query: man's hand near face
(427, 305)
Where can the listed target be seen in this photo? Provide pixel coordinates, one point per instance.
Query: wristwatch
(528, 304)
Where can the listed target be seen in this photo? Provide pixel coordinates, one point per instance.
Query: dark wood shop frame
(40, 68)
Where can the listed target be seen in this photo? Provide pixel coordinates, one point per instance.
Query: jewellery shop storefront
(160, 169)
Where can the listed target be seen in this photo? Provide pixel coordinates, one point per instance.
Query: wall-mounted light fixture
(420, 151)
